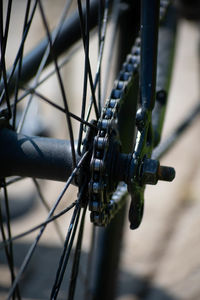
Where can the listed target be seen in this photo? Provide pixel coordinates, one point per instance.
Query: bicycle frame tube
(35, 157)
(166, 50)
(149, 40)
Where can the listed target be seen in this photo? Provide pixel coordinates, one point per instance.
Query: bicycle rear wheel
(20, 106)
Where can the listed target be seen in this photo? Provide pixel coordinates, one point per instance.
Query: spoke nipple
(166, 173)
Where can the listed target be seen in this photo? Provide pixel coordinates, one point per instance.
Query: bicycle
(105, 156)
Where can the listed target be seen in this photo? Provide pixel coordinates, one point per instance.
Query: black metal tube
(149, 39)
(169, 142)
(108, 247)
(35, 157)
(166, 49)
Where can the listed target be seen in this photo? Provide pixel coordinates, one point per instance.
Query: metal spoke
(66, 250)
(61, 86)
(76, 260)
(29, 231)
(112, 40)
(100, 15)
(84, 38)
(33, 246)
(101, 48)
(7, 23)
(1, 30)
(3, 41)
(44, 60)
(87, 64)
(47, 207)
(86, 44)
(9, 77)
(20, 65)
(32, 88)
(8, 248)
(3, 68)
(58, 107)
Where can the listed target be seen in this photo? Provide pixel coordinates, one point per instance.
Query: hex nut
(149, 173)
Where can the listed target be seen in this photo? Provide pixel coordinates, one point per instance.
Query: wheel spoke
(45, 57)
(34, 244)
(33, 87)
(47, 207)
(86, 70)
(42, 97)
(102, 31)
(3, 40)
(85, 38)
(29, 231)
(20, 65)
(8, 248)
(9, 76)
(66, 250)
(76, 260)
(7, 23)
(4, 35)
(61, 85)
(101, 48)
(112, 41)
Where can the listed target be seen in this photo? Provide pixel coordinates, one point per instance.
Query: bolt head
(149, 173)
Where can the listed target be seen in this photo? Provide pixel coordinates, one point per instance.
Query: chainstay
(103, 203)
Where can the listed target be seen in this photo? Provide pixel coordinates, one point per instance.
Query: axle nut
(152, 172)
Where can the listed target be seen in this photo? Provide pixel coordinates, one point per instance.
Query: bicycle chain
(103, 204)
